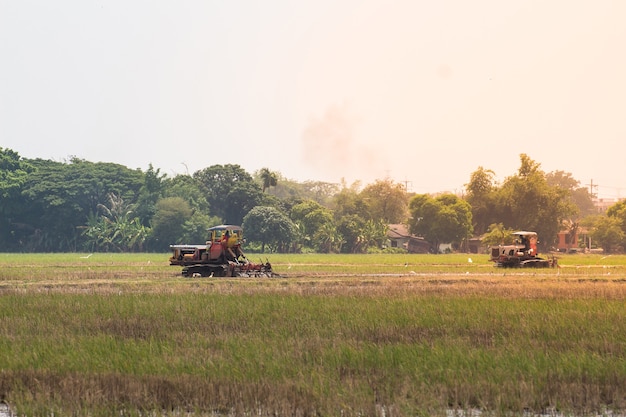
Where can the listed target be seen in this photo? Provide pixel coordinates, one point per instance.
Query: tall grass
(125, 340)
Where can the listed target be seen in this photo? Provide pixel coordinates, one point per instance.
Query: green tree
(241, 198)
(286, 189)
(187, 188)
(583, 200)
(168, 223)
(311, 216)
(481, 197)
(149, 193)
(444, 219)
(195, 228)
(320, 191)
(527, 202)
(230, 191)
(580, 197)
(530, 200)
(385, 201)
(350, 228)
(618, 211)
(14, 172)
(60, 196)
(608, 233)
(349, 202)
(269, 227)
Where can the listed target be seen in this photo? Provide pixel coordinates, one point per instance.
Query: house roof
(398, 231)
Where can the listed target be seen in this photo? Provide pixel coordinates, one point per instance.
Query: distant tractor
(522, 254)
(221, 256)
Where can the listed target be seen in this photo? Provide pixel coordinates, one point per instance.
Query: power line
(595, 190)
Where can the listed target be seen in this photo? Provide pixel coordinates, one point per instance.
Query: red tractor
(522, 254)
(221, 256)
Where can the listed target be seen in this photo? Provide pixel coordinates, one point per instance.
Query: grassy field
(393, 335)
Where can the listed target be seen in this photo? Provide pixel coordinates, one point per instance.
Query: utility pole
(406, 185)
(591, 187)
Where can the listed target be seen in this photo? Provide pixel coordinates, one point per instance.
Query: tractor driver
(228, 243)
(524, 241)
(235, 247)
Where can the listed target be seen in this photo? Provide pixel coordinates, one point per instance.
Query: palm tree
(268, 178)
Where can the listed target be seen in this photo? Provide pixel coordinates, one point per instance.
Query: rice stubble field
(393, 335)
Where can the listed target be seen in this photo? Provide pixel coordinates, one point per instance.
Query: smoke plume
(332, 151)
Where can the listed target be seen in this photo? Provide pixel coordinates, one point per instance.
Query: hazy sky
(422, 92)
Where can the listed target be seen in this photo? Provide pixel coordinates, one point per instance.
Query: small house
(399, 237)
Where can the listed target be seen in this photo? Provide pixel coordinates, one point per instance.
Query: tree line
(78, 205)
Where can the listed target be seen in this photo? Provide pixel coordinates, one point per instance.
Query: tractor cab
(224, 245)
(226, 241)
(527, 241)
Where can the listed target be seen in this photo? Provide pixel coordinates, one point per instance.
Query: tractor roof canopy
(224, 227)
(522, 233)
(234, 232)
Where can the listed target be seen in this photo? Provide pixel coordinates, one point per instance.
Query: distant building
(399, 237)
(569, 242)
(602, 204)
(475, 245)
